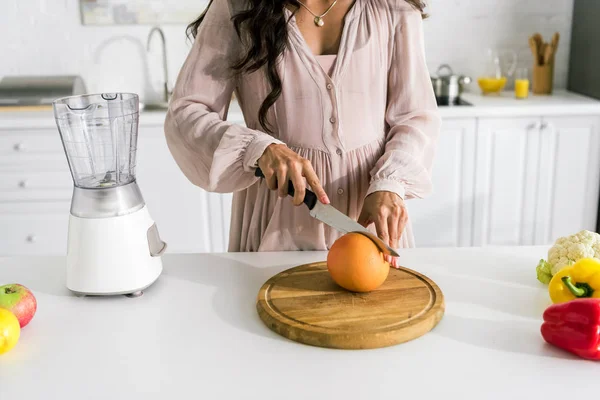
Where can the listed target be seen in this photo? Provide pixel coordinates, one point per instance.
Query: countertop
(504, 105)
(195, 334)
(560, 103)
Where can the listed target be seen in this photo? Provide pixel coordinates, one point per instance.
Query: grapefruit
(356, 263)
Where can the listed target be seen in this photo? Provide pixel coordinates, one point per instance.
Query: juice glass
(521, 83)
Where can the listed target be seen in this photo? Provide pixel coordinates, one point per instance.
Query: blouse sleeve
(217, 155)
(411, 116)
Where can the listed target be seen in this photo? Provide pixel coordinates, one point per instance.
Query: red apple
(20, 301)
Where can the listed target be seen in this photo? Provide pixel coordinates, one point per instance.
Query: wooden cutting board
(305, 305)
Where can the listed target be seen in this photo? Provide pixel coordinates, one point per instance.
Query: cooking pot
(447, 86)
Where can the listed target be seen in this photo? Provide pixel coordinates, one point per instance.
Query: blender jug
(99, 135)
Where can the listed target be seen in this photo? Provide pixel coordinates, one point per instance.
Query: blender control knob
(23, 184)
(19, 147)
(31, 238)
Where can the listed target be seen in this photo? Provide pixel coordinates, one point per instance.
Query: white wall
(459, 31)
(46, 37)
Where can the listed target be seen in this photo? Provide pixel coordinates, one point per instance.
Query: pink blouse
(372, 124)
(327, 62)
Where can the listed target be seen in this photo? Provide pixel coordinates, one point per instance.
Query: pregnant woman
(336, 97)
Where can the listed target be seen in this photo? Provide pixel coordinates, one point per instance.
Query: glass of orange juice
(522, 83)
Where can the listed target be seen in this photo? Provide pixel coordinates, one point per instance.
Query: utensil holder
(543, 79)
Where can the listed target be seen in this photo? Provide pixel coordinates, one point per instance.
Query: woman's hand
(279, 165)
(388, 212)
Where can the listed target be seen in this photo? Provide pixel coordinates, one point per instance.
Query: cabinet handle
(534, 125)
(31, 239)
(19, 147)
(23, 184)
(544, 125)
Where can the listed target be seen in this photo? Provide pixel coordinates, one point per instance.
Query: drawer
(37, 207)
(41, 141)
(31, 150)
(37, 162)
(34, 234)
(27, 186)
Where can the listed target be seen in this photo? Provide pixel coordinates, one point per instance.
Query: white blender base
(111, 256)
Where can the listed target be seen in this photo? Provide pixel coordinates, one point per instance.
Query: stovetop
(457, 103)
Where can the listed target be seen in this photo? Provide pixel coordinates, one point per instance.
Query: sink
(155, 106)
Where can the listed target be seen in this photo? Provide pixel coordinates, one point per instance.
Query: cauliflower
(567, 250)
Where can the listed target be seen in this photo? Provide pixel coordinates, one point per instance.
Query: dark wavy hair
(262, 28)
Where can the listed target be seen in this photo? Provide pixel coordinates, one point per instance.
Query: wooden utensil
(543, 52)
(548, 54)
(538, 39)
(555, 40)
(554, 44)
(305, 305)
(539, 42)
(534, 50)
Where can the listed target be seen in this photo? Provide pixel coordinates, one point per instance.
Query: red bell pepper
(574, 326)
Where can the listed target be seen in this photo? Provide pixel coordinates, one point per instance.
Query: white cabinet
(536, 179)
(497, 181)
(34, 228)
(511, 181)
(505, 180)
(188, 218)
(444, 218)
(569, 177)
(35, 192)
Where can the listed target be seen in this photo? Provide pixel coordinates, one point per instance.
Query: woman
(336, 97)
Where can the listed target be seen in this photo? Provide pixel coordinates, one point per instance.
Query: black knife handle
(310, 199)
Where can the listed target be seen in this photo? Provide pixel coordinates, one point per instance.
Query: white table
(195, 334)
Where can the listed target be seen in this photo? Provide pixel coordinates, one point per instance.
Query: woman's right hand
(279, 165)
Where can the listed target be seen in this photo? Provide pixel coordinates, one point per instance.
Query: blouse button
(340, 191)
(338, 152)
(329, 86)
(332, 120)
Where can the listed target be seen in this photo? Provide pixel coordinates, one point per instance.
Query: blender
(113, 244)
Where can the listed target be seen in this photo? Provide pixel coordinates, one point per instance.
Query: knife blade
(332, 217)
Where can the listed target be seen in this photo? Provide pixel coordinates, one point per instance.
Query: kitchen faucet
(167, 91)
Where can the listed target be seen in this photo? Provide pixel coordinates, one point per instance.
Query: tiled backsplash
(46, 37)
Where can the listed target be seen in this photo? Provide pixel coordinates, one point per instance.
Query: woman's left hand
(388, 212)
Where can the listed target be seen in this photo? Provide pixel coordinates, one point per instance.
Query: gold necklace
(319, 18)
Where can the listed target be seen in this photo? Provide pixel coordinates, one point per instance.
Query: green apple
(20, 301)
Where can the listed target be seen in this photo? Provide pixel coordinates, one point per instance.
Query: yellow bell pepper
(581, 279)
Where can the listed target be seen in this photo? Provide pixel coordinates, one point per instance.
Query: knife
(330, 216)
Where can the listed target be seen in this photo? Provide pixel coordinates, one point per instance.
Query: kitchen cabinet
(505, 180)
(569, 176)
(35, 192)
(35, 228)
(444, 217)
(505, 173)
(188, 218)
(536, 179)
